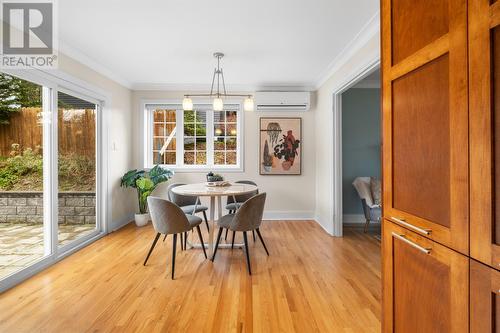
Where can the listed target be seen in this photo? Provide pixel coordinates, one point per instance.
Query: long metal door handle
(409, 242)
(411, 226)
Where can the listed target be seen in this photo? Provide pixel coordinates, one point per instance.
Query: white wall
(288, 197)
(119, 130)
(364, 53)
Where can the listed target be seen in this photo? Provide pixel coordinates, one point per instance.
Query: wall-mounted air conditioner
(282, 101)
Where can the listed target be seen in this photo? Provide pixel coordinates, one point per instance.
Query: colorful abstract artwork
(280, 146)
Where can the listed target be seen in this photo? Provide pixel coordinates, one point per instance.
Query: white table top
(202, 190)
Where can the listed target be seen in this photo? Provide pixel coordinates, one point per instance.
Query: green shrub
(23, 171)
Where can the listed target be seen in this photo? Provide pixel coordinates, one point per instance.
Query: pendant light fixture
(217, 95)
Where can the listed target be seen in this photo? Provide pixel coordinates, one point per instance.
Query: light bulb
(248, 104)
(218, 104)
(187, 104)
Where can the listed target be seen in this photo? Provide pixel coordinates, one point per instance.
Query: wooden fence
(76, 131)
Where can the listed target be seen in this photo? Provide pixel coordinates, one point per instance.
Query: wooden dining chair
(169, 219)
(232, 206)
(247, 218)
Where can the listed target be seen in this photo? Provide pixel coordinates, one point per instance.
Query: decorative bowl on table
(211, 177)
(215, 180)
(217, 183)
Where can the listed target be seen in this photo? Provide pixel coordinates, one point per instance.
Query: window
(225, 138)
(191, 140)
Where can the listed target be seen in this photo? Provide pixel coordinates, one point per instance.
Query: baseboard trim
(120, 223)
(353, 218)
(319, 220)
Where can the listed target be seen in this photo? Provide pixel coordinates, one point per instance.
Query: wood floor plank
(311, 282)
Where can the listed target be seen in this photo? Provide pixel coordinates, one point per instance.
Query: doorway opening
(361, 155)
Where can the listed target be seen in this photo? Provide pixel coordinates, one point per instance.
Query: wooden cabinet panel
(484, 298)
(416, 24)
(425, 118)
(484, 138)
(425, 285)
(421, 142)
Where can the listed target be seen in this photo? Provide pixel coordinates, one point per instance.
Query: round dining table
(215, 193)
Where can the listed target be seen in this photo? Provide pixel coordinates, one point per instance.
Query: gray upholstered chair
(247, 218)
(232, 206)
(187, 203)
(371, 209)
(169, 219)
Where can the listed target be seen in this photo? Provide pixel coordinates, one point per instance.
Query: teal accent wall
(361, 140)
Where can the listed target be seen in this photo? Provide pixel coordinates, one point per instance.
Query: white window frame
(147, 146)
(52, 82)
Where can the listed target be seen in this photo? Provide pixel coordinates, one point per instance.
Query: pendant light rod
(218, 95)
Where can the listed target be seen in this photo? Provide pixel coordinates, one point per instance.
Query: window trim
(147, 137)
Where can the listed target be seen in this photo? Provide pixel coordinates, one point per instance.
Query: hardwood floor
(310, 282)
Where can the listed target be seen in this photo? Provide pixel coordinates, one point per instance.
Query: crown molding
(242, 88)
(84, 59)
(370, 29)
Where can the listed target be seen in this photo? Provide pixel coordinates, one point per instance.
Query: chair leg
(206, 220)
(262, 240)
(173, 255)
(164, 237)
(366, 226)
(185, 240)
(201, 241)
(152, 247)
(217, 243)
(225, 237)
(232, 242)
(182, 241)
(253, 233)
(247, 252)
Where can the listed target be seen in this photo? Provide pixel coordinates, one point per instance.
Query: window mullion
(179, 115)
(150, 131)
(210, 138)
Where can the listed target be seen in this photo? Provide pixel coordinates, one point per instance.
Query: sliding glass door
(22, 147)
(50, 173)
(77, 167)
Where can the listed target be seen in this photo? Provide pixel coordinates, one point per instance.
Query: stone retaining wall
(27, 207)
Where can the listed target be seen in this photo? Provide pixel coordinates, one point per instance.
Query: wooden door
(484, 298)
(425, 118)
(484, 74)
(425, 284)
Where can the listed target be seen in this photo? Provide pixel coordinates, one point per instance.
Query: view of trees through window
(195, 137)
(199, 145)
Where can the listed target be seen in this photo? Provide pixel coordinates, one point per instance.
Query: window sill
(199, 169)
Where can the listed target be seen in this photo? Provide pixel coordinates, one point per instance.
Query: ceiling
(147, 44)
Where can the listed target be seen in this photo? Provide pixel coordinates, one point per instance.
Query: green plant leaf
(144, 184)
(159, 174)
(130, 178)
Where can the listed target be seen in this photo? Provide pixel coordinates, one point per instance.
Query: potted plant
(145, 182)
(267, 159)
(287, 148)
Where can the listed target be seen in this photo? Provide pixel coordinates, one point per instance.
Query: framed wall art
(280, 146)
